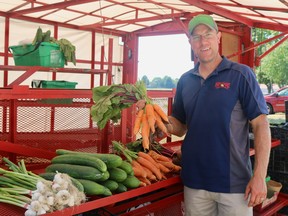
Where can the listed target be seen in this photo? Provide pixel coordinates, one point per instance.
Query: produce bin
(44, 54)
(55, 84)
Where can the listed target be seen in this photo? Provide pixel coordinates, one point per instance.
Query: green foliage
(109, 101)
(145, 80)
(158, 82)
(274, 66)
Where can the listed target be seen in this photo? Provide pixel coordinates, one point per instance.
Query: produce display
(149, 160)
(74, 177)
(100, 174)
(34, 193)
(109, 101)
(148, 167)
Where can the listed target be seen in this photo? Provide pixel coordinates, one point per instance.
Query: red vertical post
(12, 125)
(110, 61)
(93, 56)
(102, 65)
(249, 56)
(108, 132)
(130, 66)
(6, 45)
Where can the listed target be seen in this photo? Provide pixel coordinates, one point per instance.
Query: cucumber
(110, 184)
(93, 188)
(127, 167)
(131, 182)
(117, 174)
(75, 182)
(80, 160)
(105, 176)
(76, 171)
(121, 188)
(111, 160)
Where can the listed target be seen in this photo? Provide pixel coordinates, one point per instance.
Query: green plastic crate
(58, 84)
(44, 54)
(55, 84)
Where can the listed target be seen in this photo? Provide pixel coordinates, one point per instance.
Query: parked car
(276, 100)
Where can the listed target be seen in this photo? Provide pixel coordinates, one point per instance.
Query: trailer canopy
(122, 16)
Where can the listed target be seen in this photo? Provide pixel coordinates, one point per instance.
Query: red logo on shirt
(222, 85)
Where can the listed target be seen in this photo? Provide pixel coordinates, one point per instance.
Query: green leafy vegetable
(109, 101)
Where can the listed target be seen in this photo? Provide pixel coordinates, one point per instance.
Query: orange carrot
(147, 157)
(142, 184)
(150, 175)
(149, 165)
(159, 110)
(163, 168)
(150, 116)
(138, 121)
(171, 166)
(145, 180)
(138, 169)
(156, 156)
(145, 131)
(160, 123)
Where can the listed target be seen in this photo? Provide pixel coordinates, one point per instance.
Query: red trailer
(36, 121)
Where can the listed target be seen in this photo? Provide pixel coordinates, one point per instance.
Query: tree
(156, 83)
(145, 80)
(168, 82)
(275, 65)
(273, 68)
(264, 79)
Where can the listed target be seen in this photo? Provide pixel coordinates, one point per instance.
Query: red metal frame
(281, 202)
(108, 201)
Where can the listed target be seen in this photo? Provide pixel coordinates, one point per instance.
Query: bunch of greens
(120, 149)
(109, 101)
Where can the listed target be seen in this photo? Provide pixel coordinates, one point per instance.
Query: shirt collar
(224, 64)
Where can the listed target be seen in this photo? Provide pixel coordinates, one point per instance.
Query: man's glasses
(206, 36)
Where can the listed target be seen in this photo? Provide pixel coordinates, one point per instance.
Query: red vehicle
(276, 100)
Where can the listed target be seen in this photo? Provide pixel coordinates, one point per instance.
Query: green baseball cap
(202, 19)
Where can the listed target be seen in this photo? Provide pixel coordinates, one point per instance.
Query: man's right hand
(175, 127)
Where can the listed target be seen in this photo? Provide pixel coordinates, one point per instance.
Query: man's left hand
(256, 191)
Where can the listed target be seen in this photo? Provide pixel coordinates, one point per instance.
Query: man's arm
(256, 188)
(176, 127)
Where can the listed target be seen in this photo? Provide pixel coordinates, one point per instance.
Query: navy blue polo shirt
(215, 150)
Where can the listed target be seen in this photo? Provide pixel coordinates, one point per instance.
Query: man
(214, 104)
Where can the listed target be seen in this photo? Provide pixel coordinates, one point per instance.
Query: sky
(168, 55)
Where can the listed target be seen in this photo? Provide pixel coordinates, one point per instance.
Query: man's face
(205, 43)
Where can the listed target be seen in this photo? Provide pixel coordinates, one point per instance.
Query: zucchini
(121, 188)
(111, 160)
(50, 176)
(94, 188)
(110, 184)
(131, 182)
(117, 174)
(80, 160)
(127, 167)
(76, 171)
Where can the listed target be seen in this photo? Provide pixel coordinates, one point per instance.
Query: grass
(277, 118)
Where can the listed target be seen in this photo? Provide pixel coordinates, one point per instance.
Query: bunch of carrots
(151, 166)
(149, 117)
(147, 166)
